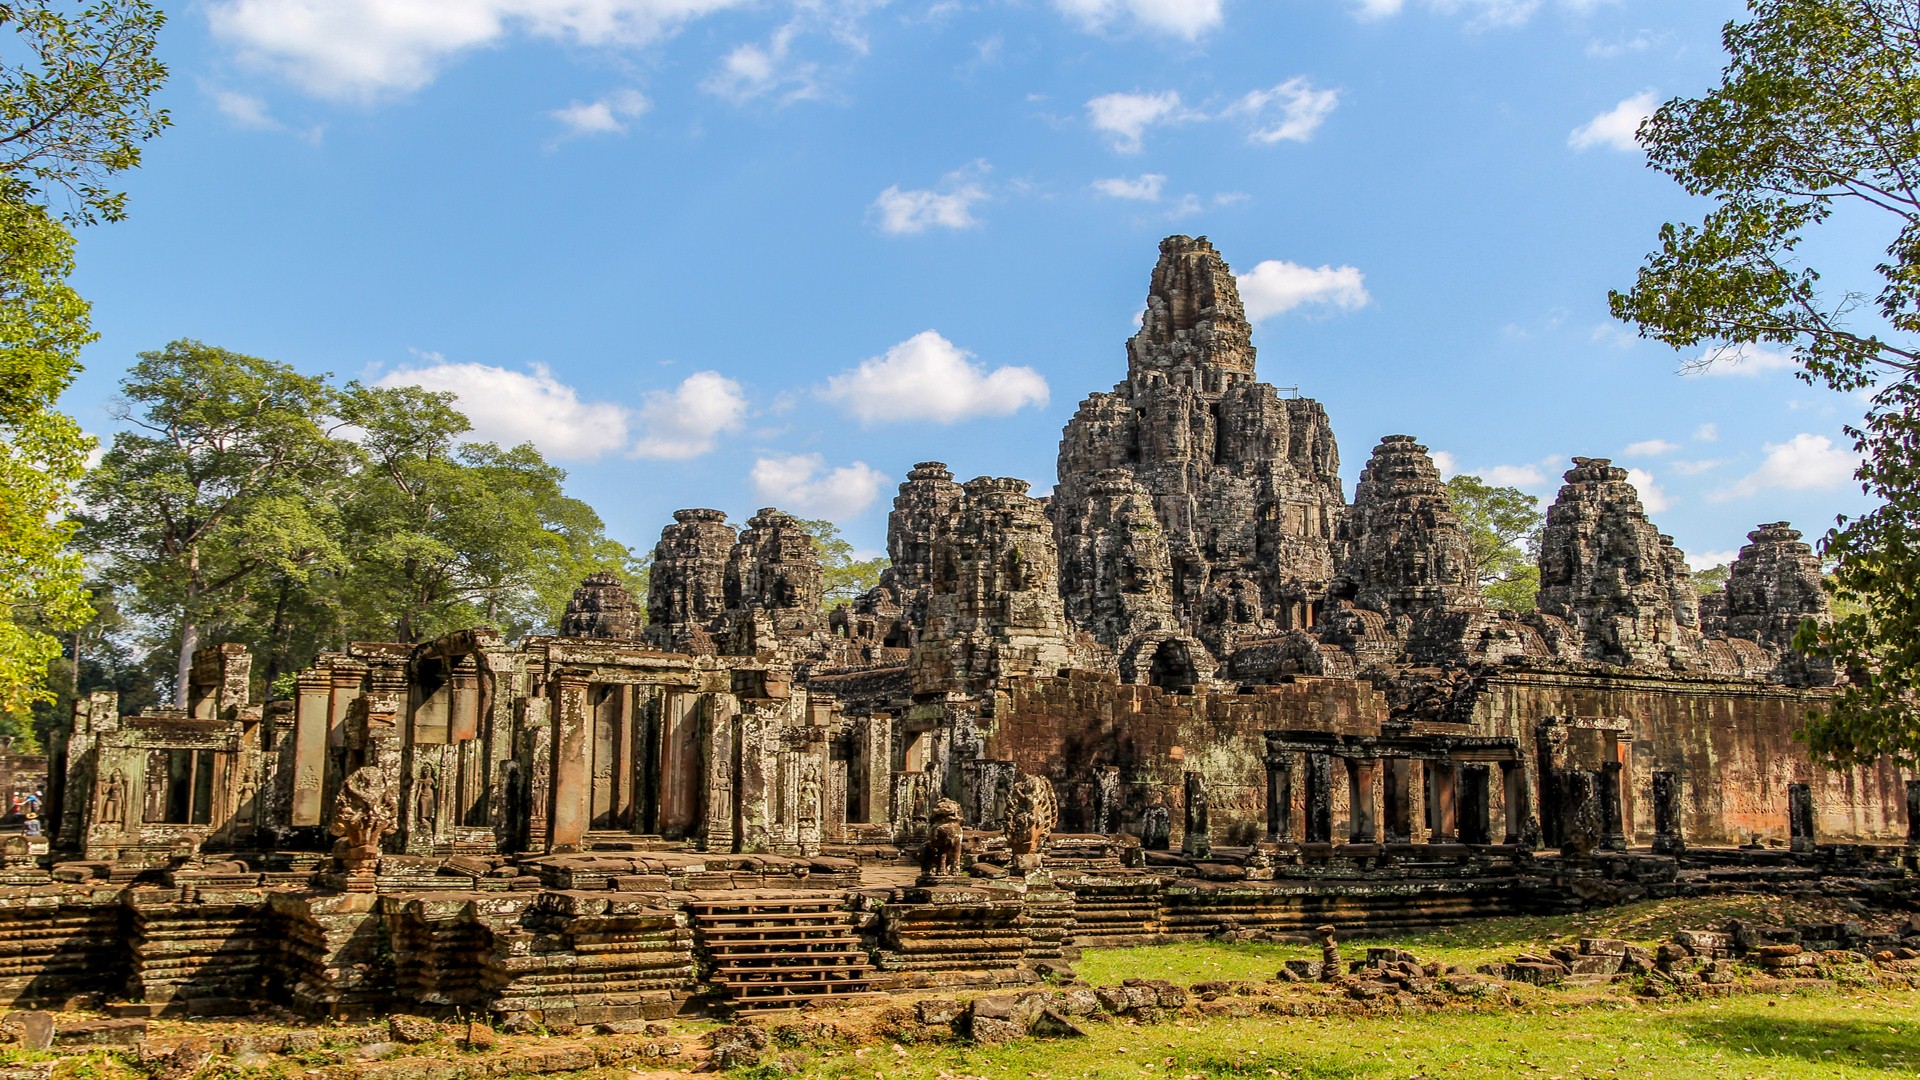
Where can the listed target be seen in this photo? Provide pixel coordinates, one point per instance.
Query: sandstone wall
(1731, 744)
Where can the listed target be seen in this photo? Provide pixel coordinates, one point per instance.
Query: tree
(75, 98)
(1815, 112)
(1713, 579)
(446, 534)
(227, 476)
(843, 576)
(43, 325)
(77, 109)
(1503, 533)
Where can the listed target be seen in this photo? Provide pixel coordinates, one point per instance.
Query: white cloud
(1707, 560)
(512, 407)
(1707, 433)
(688, 420)
(1739, 360)
(1274, 287)
(1696, 466)
(1805, 462)
(797, 482)
(1519, 476)
(364, 50)
(1146, 188)
(1651, 496)
(1126, 117)
(1377, 9)
(1650, 448)
(1445, 462)
(1289, 112)
(751, 71)
(1615, 128)
(1613, 334)
(244, 110)
(606, 116)
(927, 377)
(949, 206)
(1181, 18)
(1620, 46)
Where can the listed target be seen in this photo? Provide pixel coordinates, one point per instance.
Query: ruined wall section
(1245, 484)
(1075, 728)
(1729, 742)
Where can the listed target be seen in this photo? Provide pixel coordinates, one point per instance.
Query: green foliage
(1503, 532)
(445, 534)
(77, 109)
(1713, 579)
(43, 325)
(844, 576)
(233, 513)
(226, 477)
(1815, 112)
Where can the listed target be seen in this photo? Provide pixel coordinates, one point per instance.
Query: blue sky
(738, 253)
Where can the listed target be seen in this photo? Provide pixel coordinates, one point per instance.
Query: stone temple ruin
(1193, 691)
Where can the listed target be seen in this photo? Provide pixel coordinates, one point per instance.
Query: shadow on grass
(1857, 1043)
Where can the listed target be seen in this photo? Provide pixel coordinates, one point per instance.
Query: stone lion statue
(945, 842)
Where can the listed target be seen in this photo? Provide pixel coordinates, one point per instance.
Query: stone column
(1279, 794)
(572, 783)
(1396, 794)
(1443, 801)
(1363, 827)
(1195, 842)
(1319, 799)
(1667, 838)
(1513, 789)
(1800, 817)
(310, 719)
(1613, 832)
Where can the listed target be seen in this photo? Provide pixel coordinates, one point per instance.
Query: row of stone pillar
(1456, 800)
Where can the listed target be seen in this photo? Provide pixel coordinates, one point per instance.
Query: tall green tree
(43, 324)
(225, 476)
(1815, 112)
(444, 534)
(1503, 533)
(76, 90)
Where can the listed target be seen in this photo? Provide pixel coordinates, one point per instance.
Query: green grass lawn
(1467, 944)
(1806, 1034)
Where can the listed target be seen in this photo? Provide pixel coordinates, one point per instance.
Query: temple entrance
(1172, 669)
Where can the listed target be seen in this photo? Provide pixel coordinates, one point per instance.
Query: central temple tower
(1242, 485)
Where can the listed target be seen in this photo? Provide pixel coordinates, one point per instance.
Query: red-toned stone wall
(1731, 743)
(1067, 729)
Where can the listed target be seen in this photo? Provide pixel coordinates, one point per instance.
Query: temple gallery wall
(1195, 685)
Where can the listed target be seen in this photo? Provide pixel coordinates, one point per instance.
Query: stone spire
(1607, 571)
(1244, 483)
(1194, 330)
(1774, 586)
(601, 608)
(775, 568)
(686, 600)
(994, 607)
(1404, 552)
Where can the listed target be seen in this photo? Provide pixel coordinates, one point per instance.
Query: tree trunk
(277, 638)
(189, 632)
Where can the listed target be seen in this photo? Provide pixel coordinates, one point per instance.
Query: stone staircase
(779, 950)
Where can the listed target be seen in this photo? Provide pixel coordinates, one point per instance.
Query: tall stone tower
(1244, 483)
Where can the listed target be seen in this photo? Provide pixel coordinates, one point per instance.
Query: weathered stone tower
(687, 599)
(1244, 483)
